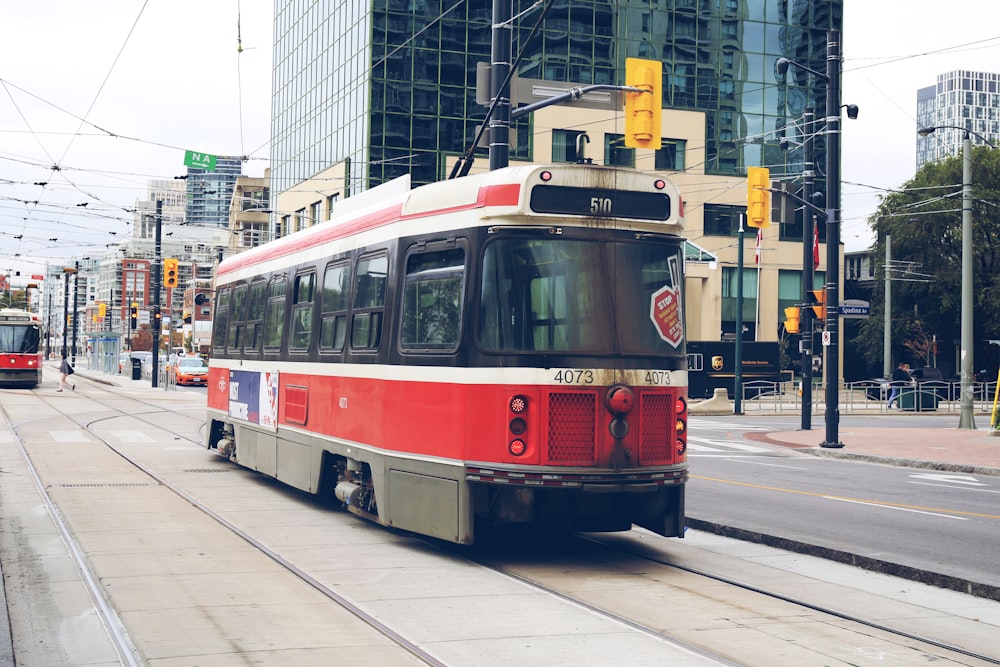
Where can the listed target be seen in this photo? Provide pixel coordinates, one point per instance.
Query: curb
(936, 579)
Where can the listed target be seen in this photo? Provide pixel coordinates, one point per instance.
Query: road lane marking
(953, 479)
(761, 463)
(895, 507)
(827, 496)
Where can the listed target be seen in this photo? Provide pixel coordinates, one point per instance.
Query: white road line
(901, 509)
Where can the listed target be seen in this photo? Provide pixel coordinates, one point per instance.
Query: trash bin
(136, 369)
(918, 400)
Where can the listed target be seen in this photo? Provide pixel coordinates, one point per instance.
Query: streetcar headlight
(659, 184)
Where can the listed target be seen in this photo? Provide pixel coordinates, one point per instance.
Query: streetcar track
(635, 553)
(420, 653)
(104, 605)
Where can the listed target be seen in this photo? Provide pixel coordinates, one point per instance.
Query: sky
(98, 97)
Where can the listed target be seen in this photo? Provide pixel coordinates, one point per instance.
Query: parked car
(191, 371)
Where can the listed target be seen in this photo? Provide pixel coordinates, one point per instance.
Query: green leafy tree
(924, 219)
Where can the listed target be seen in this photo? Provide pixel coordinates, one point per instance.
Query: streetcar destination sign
(600, 202)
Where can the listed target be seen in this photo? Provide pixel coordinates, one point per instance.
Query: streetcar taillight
(681, 446)
(680, 407)
(518, 404)
(681, 426)
(517, 447)
(518, 426)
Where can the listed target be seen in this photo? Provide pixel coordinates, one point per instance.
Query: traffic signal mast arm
(797, 198)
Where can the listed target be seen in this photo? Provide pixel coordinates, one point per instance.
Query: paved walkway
(941, 448)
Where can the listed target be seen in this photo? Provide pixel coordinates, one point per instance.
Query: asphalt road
(930, 521)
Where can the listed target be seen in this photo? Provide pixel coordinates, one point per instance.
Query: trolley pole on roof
(500, 84)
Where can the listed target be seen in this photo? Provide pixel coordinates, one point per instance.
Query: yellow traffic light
(758, 197)
(102, 310)
(792, 319)
(170, 274)
(643, 110)
(134, 316)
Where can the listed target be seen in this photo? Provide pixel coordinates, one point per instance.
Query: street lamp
(965, 415)
(831, 341)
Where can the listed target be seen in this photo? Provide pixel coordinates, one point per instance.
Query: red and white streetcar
(20, 357)
(503, 348)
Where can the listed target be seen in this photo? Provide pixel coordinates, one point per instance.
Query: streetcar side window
(369, 302)
(302, 311)
(237, 311)
(274, 320)
(255, 316)
(432, 299)
(333, 325)
(220, 322)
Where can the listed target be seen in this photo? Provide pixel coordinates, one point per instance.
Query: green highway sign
(199, 160)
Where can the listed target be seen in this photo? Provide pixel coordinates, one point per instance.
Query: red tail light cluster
(518, 425)
(680, 412)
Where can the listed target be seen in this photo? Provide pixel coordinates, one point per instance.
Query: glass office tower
(388, 86)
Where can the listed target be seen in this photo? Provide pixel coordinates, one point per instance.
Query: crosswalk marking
(706, 445)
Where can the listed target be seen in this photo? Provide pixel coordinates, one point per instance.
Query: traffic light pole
(157, 280)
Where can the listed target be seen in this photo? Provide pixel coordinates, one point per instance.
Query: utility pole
(500, 54)
(157, 278)
(887, 326)
(805, 312)
(76, 304)
(832, 337)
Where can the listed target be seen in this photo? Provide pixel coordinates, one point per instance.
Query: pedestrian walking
(900, 378)
(65, 370)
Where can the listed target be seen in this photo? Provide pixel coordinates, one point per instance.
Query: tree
(924, 219)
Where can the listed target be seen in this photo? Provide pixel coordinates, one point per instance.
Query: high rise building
(961, 98)
(209, 193)
(386, 87)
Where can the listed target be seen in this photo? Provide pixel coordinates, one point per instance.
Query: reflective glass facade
(390, 84)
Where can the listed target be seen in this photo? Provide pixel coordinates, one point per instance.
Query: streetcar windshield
(571, 296)
(19, 339)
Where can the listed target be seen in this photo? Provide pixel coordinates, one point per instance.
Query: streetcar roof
(395, 202)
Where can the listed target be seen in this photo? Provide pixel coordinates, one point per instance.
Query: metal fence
(867, 397)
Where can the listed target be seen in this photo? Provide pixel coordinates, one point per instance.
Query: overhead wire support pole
(806, 337)
(500, 67)
(832, 340)
(157, 281)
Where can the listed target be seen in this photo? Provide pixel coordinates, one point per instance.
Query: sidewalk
(945, 448)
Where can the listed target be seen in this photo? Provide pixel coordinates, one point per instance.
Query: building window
(615, 152)
(670, 157)
(722, 219)
(564, 145)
